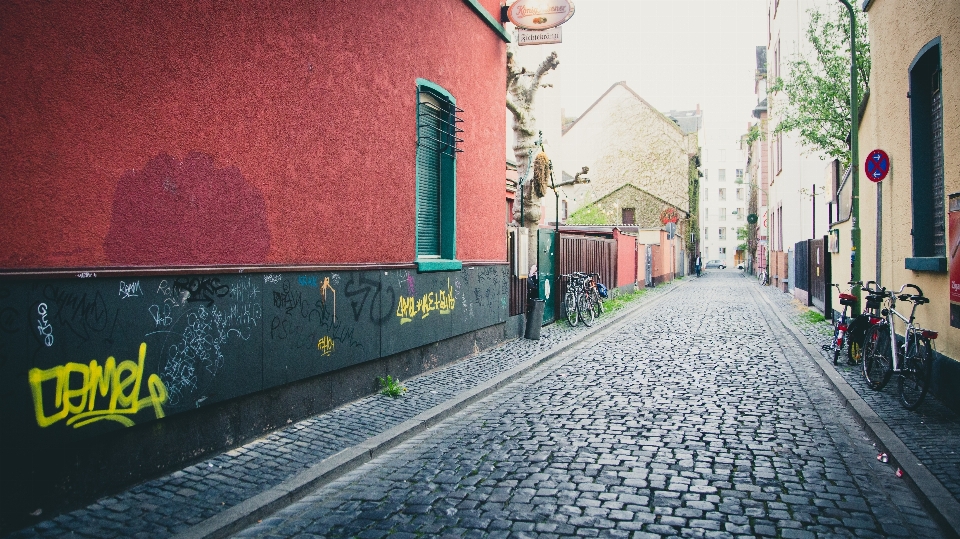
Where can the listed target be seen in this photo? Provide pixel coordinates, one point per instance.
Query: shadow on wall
(187, 212)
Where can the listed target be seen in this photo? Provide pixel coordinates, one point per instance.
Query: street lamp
(854, 151)
(580, 178)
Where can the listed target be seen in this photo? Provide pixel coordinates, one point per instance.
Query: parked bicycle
(762, 277)
(913, 360)
(581, 299)
(841, 324)
(857, 326)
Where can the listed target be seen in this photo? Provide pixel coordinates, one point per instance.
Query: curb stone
(944, 506)
(251, 510)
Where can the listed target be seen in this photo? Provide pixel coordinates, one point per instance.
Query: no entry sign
(877, 165)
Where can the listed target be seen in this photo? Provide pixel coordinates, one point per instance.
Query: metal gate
(817, 273)
(649, 265)
(801, 275)
(546, 261)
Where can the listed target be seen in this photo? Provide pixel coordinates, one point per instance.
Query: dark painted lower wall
(107, 382)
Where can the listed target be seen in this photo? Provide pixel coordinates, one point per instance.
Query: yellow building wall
(899, 29)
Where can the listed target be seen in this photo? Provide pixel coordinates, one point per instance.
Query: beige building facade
(912, 114)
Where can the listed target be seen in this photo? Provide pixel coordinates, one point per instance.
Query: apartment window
(722, 233)
(705, 235)
(723, 155)
(739, 214)
(722, 253)
(706, 176)
(723, 193)
(740, 193)
(926, 152)
(723, 174)
(779, 156)
(564, 211)
(723, 214)
(706, 193)
(437, 138)
(628, 216)
(739, 174)
(706, 214)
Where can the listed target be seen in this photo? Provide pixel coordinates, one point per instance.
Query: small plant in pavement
(391, 387)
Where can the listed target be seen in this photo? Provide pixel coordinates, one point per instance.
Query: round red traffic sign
(877, 165)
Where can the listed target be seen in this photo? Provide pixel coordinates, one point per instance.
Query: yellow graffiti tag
(325, 345)
(442, 301)
(78, 386)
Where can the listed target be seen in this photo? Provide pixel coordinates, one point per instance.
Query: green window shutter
(436, 169)
(429, 177)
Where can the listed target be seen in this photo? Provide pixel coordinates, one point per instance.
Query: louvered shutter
(429, 166)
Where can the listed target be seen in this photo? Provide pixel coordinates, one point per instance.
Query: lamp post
(854, 152)
(580, 178)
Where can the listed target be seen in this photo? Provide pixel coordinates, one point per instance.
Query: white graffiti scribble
(162, 318)
(43, 326)
(196, 355)
(271, 278)
(130, 290)
(245, 290)
(86, 275)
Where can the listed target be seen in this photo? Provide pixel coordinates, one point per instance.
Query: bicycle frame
(889, 313)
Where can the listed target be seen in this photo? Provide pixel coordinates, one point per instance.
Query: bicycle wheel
(915, 375)
(570, 307)
(877, 359)
(836, 337)
(585, 307)
(597, 303)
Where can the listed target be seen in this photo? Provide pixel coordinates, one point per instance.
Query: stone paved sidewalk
(932, 432)
(176, 502)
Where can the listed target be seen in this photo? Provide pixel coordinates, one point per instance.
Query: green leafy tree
(818, 86)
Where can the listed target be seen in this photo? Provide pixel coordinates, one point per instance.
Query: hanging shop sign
(539, 37)
(540, 14)
(877, 165)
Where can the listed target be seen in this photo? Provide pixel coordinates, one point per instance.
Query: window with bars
(926, 148)
(437, 147)
(628, 216)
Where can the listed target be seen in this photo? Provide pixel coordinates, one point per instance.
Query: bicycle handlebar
(913, 286)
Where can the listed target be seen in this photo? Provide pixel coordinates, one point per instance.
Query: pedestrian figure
(697, 265)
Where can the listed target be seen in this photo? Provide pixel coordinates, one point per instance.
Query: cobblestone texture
(932, 432)
(173, 503)
(702, 417)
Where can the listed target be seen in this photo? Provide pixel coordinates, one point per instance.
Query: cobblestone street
(700, 416)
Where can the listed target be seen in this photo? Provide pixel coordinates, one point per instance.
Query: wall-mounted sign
(877, 165)
(539, 37)
(669, 215)
(540, 14)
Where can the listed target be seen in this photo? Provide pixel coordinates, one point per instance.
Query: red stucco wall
(626, 258)
(182, 133)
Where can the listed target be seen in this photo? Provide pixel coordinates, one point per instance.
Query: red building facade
(228, 204)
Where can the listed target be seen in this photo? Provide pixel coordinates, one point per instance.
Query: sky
(674, 53)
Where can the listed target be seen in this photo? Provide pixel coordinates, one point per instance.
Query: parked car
(715, 264)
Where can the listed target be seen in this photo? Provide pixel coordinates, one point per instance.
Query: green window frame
(436, 177)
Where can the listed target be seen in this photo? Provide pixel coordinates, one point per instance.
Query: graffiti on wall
(87, 393)
(213, 337)
(442, 301)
